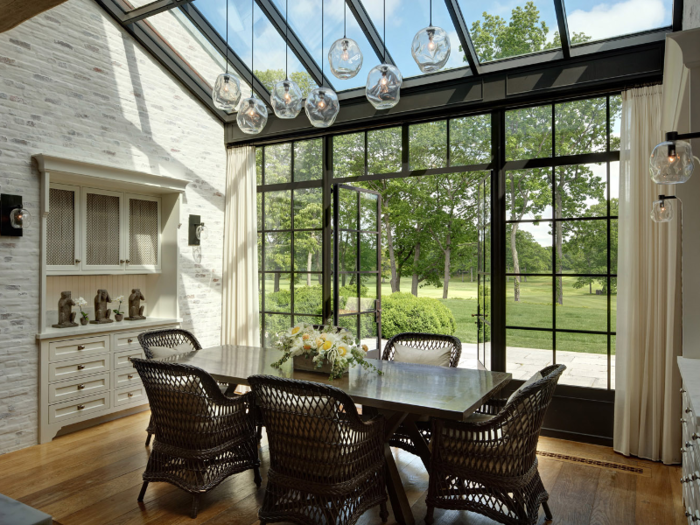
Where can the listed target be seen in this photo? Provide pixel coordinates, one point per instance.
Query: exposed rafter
(463, 35)
(365, 23)
(152, 9)
(678, 15)
(563, 28)
(277, 20)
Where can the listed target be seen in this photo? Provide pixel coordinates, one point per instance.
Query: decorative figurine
(102, 311)
(66, 315)
(135, 308)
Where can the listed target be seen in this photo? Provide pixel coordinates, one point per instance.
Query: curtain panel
(240, 324)
(649, 317)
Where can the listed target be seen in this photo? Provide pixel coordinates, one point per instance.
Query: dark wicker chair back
(326, 464)
(169, 338)
(321, 326)
(426, 342)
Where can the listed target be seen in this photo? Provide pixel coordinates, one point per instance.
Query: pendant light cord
(252, 46)
(345, 19)
(323, 79)
(431, 13)
(227, 1)
(286, 40)
(384, 31)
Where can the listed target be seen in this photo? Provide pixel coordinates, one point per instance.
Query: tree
(270, 77)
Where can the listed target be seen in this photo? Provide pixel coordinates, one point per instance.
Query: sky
(598, 19)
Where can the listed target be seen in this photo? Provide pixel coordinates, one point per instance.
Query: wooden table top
(448, 393)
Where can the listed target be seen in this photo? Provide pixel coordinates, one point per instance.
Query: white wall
(73, 84)
(691, 14)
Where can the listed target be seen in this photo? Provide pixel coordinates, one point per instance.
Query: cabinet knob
(81, 367)
(128, 261)
(81, 347)
(682, 420)
(688, 411)
(130, 394)
(130, 376)
(682, 390)
(81, 386)
(688, 444)
(683, 450)
(121, 261)
(80, 407)
(129, 341)
(77, 261)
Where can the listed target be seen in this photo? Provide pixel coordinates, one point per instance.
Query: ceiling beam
(678, 15)
(201, 23)
(563, 28)
(277, 20)
(373, 37)
(152, 9)
(463, 34)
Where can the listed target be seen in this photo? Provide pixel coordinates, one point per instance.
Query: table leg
(418, 441)
(394, 487)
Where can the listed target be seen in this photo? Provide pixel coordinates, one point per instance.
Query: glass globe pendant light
(322, 104)
(287, 97)
(431, 47)
(672, 161)
(384, 81)
(345, 57)
(664, 210)
(252, 113)
(227, 89)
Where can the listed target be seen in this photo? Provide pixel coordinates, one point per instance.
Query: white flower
(119, 299)
(81, 302)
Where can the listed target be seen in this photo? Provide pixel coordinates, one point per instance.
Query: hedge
(404, 312)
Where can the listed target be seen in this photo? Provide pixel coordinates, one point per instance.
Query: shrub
(404, 312)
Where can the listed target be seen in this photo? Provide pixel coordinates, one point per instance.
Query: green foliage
(270, 77)
(403, 312)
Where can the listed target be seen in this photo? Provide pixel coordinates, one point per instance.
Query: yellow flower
(365, 348)
(305, 337)
(319, 342)
(327, 345)
(307, 347)
(342, 350)
(295, 330)
(324, 336)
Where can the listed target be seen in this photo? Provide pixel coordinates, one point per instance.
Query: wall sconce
(664, 210)
(14, 219)
(197, 231)
(672, 161)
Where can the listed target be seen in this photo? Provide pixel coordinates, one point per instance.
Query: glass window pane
(613, 304)
(307, 251)
(349, 322)
(368, 331)
(592, 21)
(278, 205)
(505, 30)
(581, 191)
(274, 325)
(368, 252)
(347, 215)
(347, 253)
(308, 160)
(470, 140)
(259, 166)
(529, 194)
(368, 290)
(278, 163)
(384, 150)
(529, 302)
(428, 145)
(529, 247)
(582, 304)
(308, 294)
(529, 133)
(581, 126)
(348, 155)
(278, 252)
(585, 357)
(615, 121)
(528, 352)
(259, 199)
(278, 292)
(308, 209)
(369, 212)
(582, 247)
(614, 188)
(613, 246)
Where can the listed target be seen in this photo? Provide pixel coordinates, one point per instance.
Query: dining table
(403, 393)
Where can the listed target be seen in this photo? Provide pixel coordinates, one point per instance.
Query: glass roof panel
(601, 19)
(269, 45)
(503, 29)
(403, 22)
(304, 20)
(130, 5)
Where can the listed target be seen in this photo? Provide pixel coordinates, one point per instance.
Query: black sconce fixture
(14, 219)
(197, 231)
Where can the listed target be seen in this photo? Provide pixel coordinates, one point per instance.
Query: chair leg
(143, 491)
(547, 512)
(429, 515)
(257, 477)
(195, 506)
(383, 512)
(148, 439)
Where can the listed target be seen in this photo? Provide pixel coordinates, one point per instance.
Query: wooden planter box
(306, 364)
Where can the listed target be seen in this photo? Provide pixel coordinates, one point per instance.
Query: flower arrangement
(80, 302)
(120, 300)
(339, 349)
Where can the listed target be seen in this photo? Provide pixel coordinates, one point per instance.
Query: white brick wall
(73, 84)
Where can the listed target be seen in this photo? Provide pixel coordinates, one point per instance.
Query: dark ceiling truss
(277, 20)
(463, 34)
(564, 36)
(373, 36)
(152, 9)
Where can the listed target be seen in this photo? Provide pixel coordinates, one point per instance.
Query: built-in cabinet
(97, 231)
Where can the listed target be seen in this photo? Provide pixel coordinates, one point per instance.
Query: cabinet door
(62, 237)
(142, 227)
(102, 230)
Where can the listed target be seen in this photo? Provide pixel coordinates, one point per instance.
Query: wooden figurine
(66, 315)
(135, 308)
(102, 311)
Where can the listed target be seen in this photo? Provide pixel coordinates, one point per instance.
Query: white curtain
(647, 401)
(240, 324)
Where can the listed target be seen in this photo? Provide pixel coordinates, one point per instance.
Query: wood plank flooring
(94, 476)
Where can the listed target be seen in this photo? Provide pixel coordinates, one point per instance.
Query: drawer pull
(688, 411)
(682, 420)
(683, 451)
(77, 261)
(81, 347)
(688, 444)
(130, 376)
(695, 435)
(682, 390)
(81, 367)
(80, 407)
(81, 386)
(130, 394)
(129, 341)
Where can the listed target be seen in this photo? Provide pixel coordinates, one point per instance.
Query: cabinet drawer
(81, 367)
(81, 387)
(60, 350)
(125, 377)
(121, 359)
(80, 409)
(126, 396)
(126, 341)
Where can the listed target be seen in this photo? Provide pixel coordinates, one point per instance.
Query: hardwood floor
(94, 476)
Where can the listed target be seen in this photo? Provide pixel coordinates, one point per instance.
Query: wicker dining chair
(326, 464)
(428, 343)
(489, 465)
(203, 436)
(167, 338)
